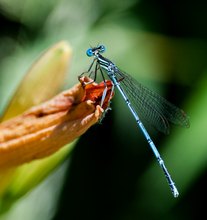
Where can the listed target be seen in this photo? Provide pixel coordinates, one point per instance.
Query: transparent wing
(151, 106)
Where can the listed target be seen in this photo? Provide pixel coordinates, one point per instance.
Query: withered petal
(45, 128)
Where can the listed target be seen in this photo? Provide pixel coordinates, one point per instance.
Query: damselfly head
(95, 50)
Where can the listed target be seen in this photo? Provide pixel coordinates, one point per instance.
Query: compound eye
(89, 52)
(102, 48)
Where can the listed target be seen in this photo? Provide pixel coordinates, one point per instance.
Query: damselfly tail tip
(175, 191)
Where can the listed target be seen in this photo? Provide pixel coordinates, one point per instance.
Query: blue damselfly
(140, 100)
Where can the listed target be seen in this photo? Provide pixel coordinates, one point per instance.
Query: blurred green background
(112, 173)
